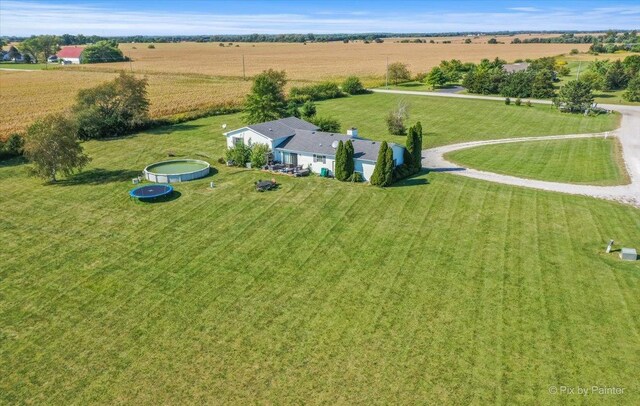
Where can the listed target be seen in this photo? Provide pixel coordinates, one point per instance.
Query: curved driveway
(628, 134)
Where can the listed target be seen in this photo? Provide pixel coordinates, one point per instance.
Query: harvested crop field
(319, 61)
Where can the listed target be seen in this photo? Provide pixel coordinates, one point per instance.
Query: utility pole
(244, 76)
(387, 76)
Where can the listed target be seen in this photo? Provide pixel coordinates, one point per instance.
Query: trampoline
(148, 192)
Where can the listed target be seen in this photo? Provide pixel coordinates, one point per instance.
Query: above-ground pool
(179, 170)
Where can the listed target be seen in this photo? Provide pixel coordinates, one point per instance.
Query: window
(238, 141)
(320, 158)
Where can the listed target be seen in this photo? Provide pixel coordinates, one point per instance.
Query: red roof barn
(70, 54)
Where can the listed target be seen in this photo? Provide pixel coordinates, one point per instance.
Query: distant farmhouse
(70, 55)
(298, 143)
(515, 67)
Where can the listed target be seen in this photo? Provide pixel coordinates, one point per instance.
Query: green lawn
(29, 66)
(441, 290)
(593, 161)
(449, 120)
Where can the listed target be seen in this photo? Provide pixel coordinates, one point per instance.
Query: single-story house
(298, 143)
(515, 67)
(70, 54)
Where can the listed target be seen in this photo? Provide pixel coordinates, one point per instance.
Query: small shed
(628, 254)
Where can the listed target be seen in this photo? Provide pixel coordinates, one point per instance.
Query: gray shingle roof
(318, 142)
(284, 127)
(515, 67)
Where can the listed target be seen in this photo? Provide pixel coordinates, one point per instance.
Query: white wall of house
(249, 137)
(307, 160)
(73, 61)
(365, 168)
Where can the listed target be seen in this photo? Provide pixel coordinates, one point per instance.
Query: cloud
(525, 9)
(25, 18)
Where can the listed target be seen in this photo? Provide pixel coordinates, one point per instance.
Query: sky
(200, 17)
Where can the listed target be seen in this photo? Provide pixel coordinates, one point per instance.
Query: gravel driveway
(628, 134)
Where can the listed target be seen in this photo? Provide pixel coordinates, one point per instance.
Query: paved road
(628, 134)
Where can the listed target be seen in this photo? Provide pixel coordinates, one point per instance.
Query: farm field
(449, 120)
(27, 96)
(442, 289)
(593, 161)
(317, 61)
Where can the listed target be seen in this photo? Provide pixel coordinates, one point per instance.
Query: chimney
(352, 132)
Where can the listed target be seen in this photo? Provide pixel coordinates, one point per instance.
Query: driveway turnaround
(628, 134)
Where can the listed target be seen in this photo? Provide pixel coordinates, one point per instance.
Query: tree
(102, 51)
(326, 124)
(341, 162)
(266, 100)
(308, 110)
(616, 77)
(542, 85)
(436, 77)
(398, 72)
(41, 46)
(575, 96)
(353, 85)
(632, 65)
(349, 152)
(417, 146)
(633, 89)
(594, 79)
(51, 145)
(388, 167)
(113, 108)
(292, 109)
(492, 41)
(397, 117)
(378, 177)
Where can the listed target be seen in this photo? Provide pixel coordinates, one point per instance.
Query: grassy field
(28, 66)
(439, 290)
(593, 161)
(448, 120)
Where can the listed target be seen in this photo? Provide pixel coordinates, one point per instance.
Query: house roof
(284, 127)
(515, 67)
(321, 143)
(70, 52)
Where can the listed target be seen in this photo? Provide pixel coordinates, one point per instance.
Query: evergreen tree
(388, 167)
(349, 152)
(341, 162)
(378, 176)
(410, 145)
(417, 147)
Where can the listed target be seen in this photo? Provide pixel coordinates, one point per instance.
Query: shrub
(518, 102)
(239, 155)
(320, 91)
(259, 155)
(632, 93)
(528, 103)
(308, 110)
(575, 96)
(356, 177)
(12, 146)
(395, 124)
(574, 51)
(151, 46)
(507, 101)
(353, 85)
(326, 124)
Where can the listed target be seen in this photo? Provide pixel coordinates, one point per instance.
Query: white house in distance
(70, 55)
(298, 143)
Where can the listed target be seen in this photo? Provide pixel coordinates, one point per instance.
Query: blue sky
(161, 17)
